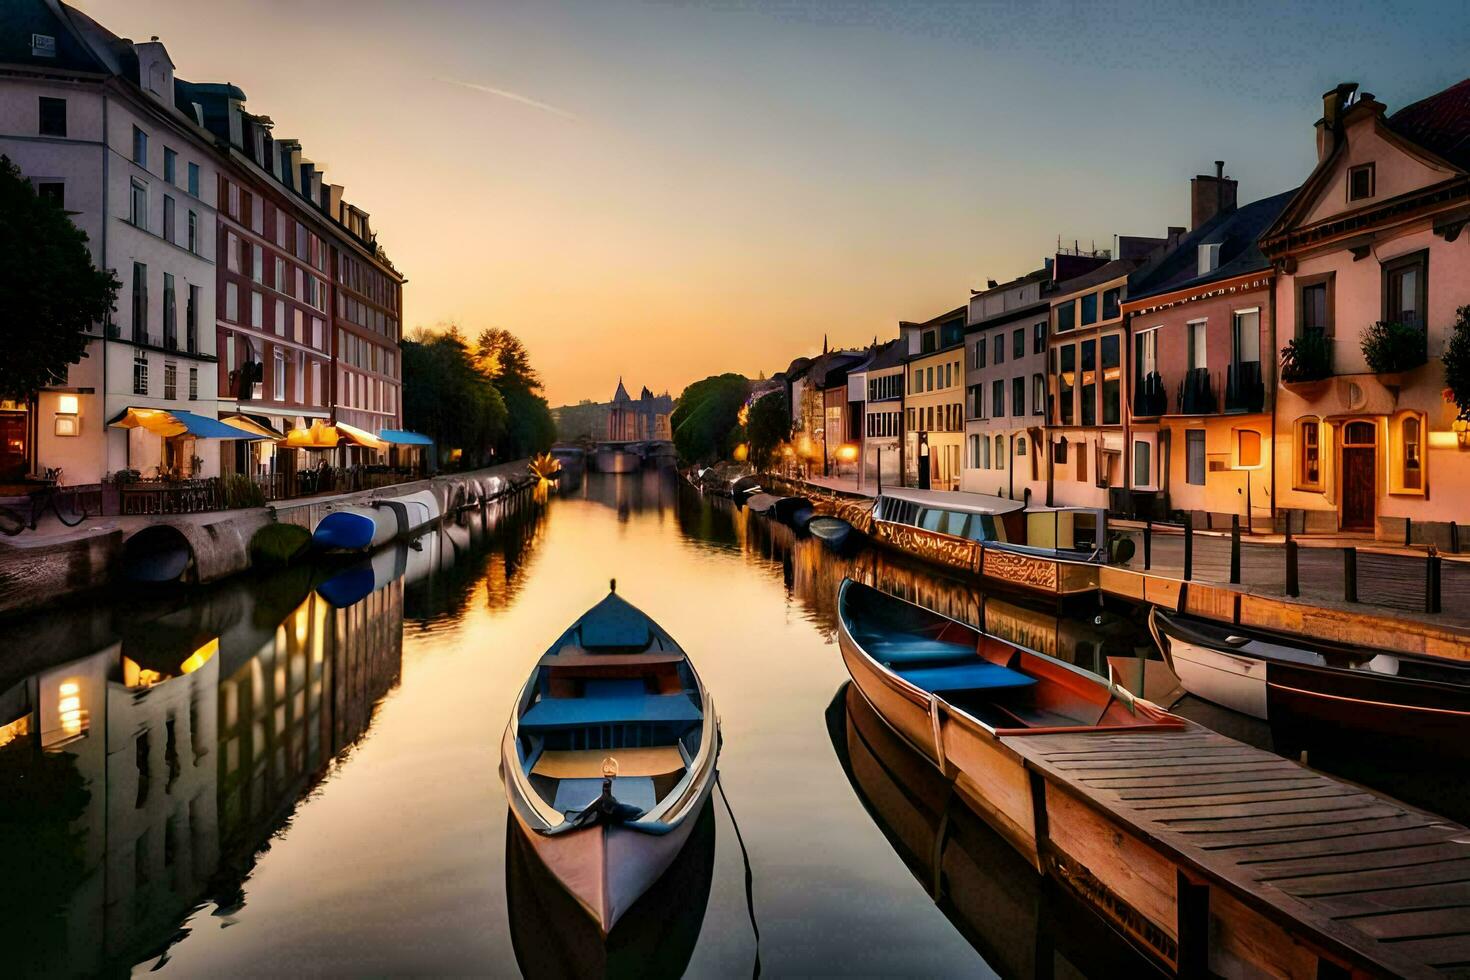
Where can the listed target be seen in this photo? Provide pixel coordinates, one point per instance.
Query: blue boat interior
(344, 529)
(614, 696)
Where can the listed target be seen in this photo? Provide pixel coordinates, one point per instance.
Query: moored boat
(1287, 679)
(953, 692)
(609, 756)
(834, 532)
(760, 503)
(794, 512)
(355, 528)
(413, 512)
(745, 488)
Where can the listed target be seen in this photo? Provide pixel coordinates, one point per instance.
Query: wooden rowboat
(953, 692)
(1309, 683)
(834, 532)
(609, 756)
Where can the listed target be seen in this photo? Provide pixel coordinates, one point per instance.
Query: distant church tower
(637, 421)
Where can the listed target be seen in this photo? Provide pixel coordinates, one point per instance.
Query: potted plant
(1306, 359)
(1456, 361)
(1392, 348)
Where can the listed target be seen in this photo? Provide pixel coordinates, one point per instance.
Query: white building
(93, 121)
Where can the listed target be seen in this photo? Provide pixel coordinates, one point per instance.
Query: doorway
(1359, 476)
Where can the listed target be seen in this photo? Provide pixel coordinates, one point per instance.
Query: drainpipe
(106, 219)
(1271, 301)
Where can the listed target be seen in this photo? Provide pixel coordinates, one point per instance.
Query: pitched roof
(1440, 123)
(19, 19)
(1236, 232)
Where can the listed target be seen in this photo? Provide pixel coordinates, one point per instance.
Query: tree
(50, 292)
(706, 413)
(767, 425)
(1456, 360)
(503, 359)
(448, 398)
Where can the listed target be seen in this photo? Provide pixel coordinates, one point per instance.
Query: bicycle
(65, 503)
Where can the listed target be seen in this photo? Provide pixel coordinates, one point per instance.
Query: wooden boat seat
(574, 795)
(656, 760)
(983, 676)
(900, 652)
(610, 702)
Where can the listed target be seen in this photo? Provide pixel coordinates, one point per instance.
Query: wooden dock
(1221, 858)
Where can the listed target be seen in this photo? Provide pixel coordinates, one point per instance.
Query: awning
(401, 437)
(175, 422)
(360, 437)
(323, 436)
(252, 428)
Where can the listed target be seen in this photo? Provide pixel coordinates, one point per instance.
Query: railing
(1244, 389)
(1149, 396)
(1196, 394)
(171, 497)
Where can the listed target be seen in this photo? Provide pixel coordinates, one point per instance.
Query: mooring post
(1431, 584)
(1454, 537)
(1188, 549)
(1293, 589)
(1148, 543)
(1234, 549)
(1408, 530)
(1350, 574)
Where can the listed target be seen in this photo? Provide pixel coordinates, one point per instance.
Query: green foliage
(704, 416)
(1456, 360)
(1306, 358)
(767, 426)
(278, 545)
(239, 490)
(448, 397)
(1390, 347)
(503, 359)
(50, 292)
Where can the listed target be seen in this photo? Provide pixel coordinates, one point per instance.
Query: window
(191, 321)
(280, 274)
(52, 117)
(1000, 452)
(170, 315)
(1018, 344)
(1088, 394)
(278, 375)
(280, 320)
(1245, 336)
(999, 349)
(929, 379)
(1194, 457)
(929, 342)
(232, 302)
(1405, 289)
(193, 384)
(1038, 337)
(1089, 309)
(257, 309)
(232, 252)
(910, 422)
(1021, 446)
(1038, 393)
(1360, 182)
(1110, 303)
(194, 232)
(233, 197)
(170, 166)
(194, 179)
(169, 235)
(170, 380)
(1066, 380)
(299, 370)
(140, 373)
(984, 452)
(140, 147)
(1308, 454)
(998, 398)
(1410, 469)
(1314, 307)
(140, 303)
(1196, 344)
(1142, 464)
(1018, 396)
(138, 205)
(980, 353)
(1247, 448)
(1066, 315)
(53, 191)
(1059, 451)
(1112, 379)
(916, 383)
(974, 452)
(1080, 464)
(257, 263)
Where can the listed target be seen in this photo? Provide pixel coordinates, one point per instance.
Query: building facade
(641, 420)
(883, 416)
(1005, 387)
(1372, 249)
(934, 404)
(1201, 365)
(98, 125)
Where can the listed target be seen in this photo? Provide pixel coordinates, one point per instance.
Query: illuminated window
(1407, 438)
(1308, 454)
(1247, 448)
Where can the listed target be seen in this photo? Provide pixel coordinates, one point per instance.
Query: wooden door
(1358, 488)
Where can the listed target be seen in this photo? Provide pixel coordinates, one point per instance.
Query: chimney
(1209, 196)
(991, 284)
(1329, 127)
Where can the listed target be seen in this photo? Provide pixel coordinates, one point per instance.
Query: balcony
(1394, 348)
(1196, 394)
(1306, 360)
(1150, 400)
(1244, 389)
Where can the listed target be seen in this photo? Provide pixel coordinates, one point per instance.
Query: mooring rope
(749, 876)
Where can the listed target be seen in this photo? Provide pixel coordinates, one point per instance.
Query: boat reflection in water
(1019, 922)
(146, 765)
(554, 937)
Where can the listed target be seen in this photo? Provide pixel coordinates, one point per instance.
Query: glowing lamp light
(67, 404)
(847, 453)
(742, 452)
(69, 688)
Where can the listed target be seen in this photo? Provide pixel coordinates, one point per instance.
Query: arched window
(1358, 434)
(1000, 452)
(1308, 444)
(1406, 453)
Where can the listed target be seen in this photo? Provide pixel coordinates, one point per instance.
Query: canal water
(297, 774)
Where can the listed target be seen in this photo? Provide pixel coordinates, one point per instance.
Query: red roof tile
(1440, 123)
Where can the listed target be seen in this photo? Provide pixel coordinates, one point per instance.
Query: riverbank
(55, 563)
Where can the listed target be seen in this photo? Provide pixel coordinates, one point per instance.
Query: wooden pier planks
(1376, 884)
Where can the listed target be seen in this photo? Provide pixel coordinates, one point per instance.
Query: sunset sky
(664, 191)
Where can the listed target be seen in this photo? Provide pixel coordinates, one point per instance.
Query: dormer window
(1360, 182)
(1209, 258)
